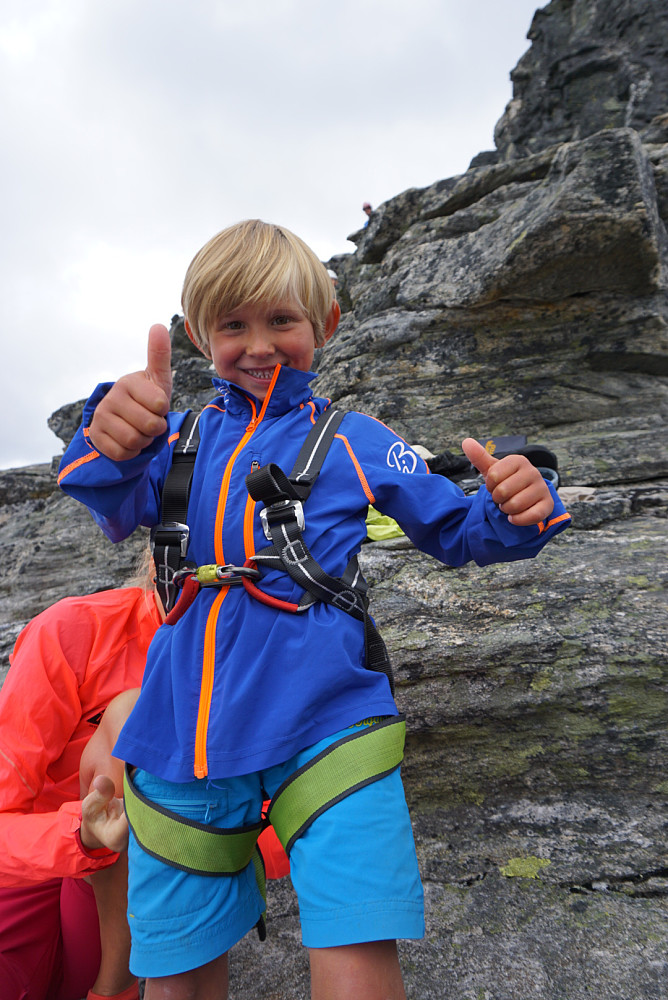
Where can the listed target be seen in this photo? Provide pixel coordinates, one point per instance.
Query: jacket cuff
(97, 853)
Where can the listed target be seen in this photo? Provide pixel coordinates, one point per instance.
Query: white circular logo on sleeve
(402, 458)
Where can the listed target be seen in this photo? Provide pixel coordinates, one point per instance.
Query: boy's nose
(259, 342)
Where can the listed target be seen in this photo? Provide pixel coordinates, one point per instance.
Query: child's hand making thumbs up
(133, 412)
(516, 486)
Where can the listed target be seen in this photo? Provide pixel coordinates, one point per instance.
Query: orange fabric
(276, 863)
(358, 469)
(224, 488)
(74, 465)
(206, 687)
(67, 665)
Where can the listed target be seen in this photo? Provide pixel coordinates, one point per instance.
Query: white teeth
(259, 373)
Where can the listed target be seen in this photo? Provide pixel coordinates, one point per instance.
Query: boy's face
(247, 343)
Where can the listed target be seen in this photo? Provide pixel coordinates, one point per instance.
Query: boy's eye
(282, 320)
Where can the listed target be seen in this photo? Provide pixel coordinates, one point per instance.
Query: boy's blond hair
(253, 262)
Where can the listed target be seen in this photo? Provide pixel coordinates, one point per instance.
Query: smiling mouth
(264, 374)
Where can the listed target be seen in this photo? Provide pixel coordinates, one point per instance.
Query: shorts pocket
(202, 810)
(191, 801)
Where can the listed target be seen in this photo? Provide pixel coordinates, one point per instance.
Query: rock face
(526, 296)
(592, 65)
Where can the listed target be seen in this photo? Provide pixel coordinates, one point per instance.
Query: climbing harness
(342, 768)
(350, 763)
(283, 523)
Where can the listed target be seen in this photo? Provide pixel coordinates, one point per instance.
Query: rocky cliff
(527, 295)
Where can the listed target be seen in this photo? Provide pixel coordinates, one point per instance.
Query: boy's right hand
(133, 412)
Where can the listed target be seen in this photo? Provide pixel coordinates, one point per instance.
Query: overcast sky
(133, 130)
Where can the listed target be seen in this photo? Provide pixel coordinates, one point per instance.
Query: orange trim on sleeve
(75, 465)
(557, 520)
(543, 526)
(398, 436)
(358, 468)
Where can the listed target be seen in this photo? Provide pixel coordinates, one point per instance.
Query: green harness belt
(352, 762)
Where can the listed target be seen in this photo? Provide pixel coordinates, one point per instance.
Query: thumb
(104, 787)
(478, 456)
(159, 358)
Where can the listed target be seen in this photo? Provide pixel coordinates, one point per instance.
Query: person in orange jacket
(70, 664)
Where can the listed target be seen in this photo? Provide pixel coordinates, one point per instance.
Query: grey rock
(52, 549)
(592, 65)
(65, 420)
(525, 296)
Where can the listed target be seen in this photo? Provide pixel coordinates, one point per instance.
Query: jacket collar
(291, 389)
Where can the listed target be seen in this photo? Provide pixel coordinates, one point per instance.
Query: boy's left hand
(516, 486)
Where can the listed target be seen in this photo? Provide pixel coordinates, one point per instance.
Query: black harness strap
(283, 522)
(312, 453)
(169, 539)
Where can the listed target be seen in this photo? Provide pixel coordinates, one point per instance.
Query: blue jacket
(235, 685)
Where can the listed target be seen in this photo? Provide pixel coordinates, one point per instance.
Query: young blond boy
(238, 695)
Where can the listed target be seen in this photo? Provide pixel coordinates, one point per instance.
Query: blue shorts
(354, 871)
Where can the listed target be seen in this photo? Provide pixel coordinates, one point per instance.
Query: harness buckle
(172, 533)
(281, 512)
(227, 575)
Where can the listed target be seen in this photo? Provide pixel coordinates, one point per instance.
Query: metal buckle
(227, 575)
(169, 534)
(279, 513)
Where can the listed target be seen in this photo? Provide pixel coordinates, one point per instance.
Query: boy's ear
(207, 354)
(332, 321)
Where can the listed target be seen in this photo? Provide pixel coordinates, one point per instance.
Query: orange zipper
(206, 689)
(209, 658)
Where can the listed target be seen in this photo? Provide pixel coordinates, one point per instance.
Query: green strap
(351, 763)
(261, 879)
(341, 769)
(185, 843)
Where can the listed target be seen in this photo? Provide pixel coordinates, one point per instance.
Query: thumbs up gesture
(133, 412)
(515, 485)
